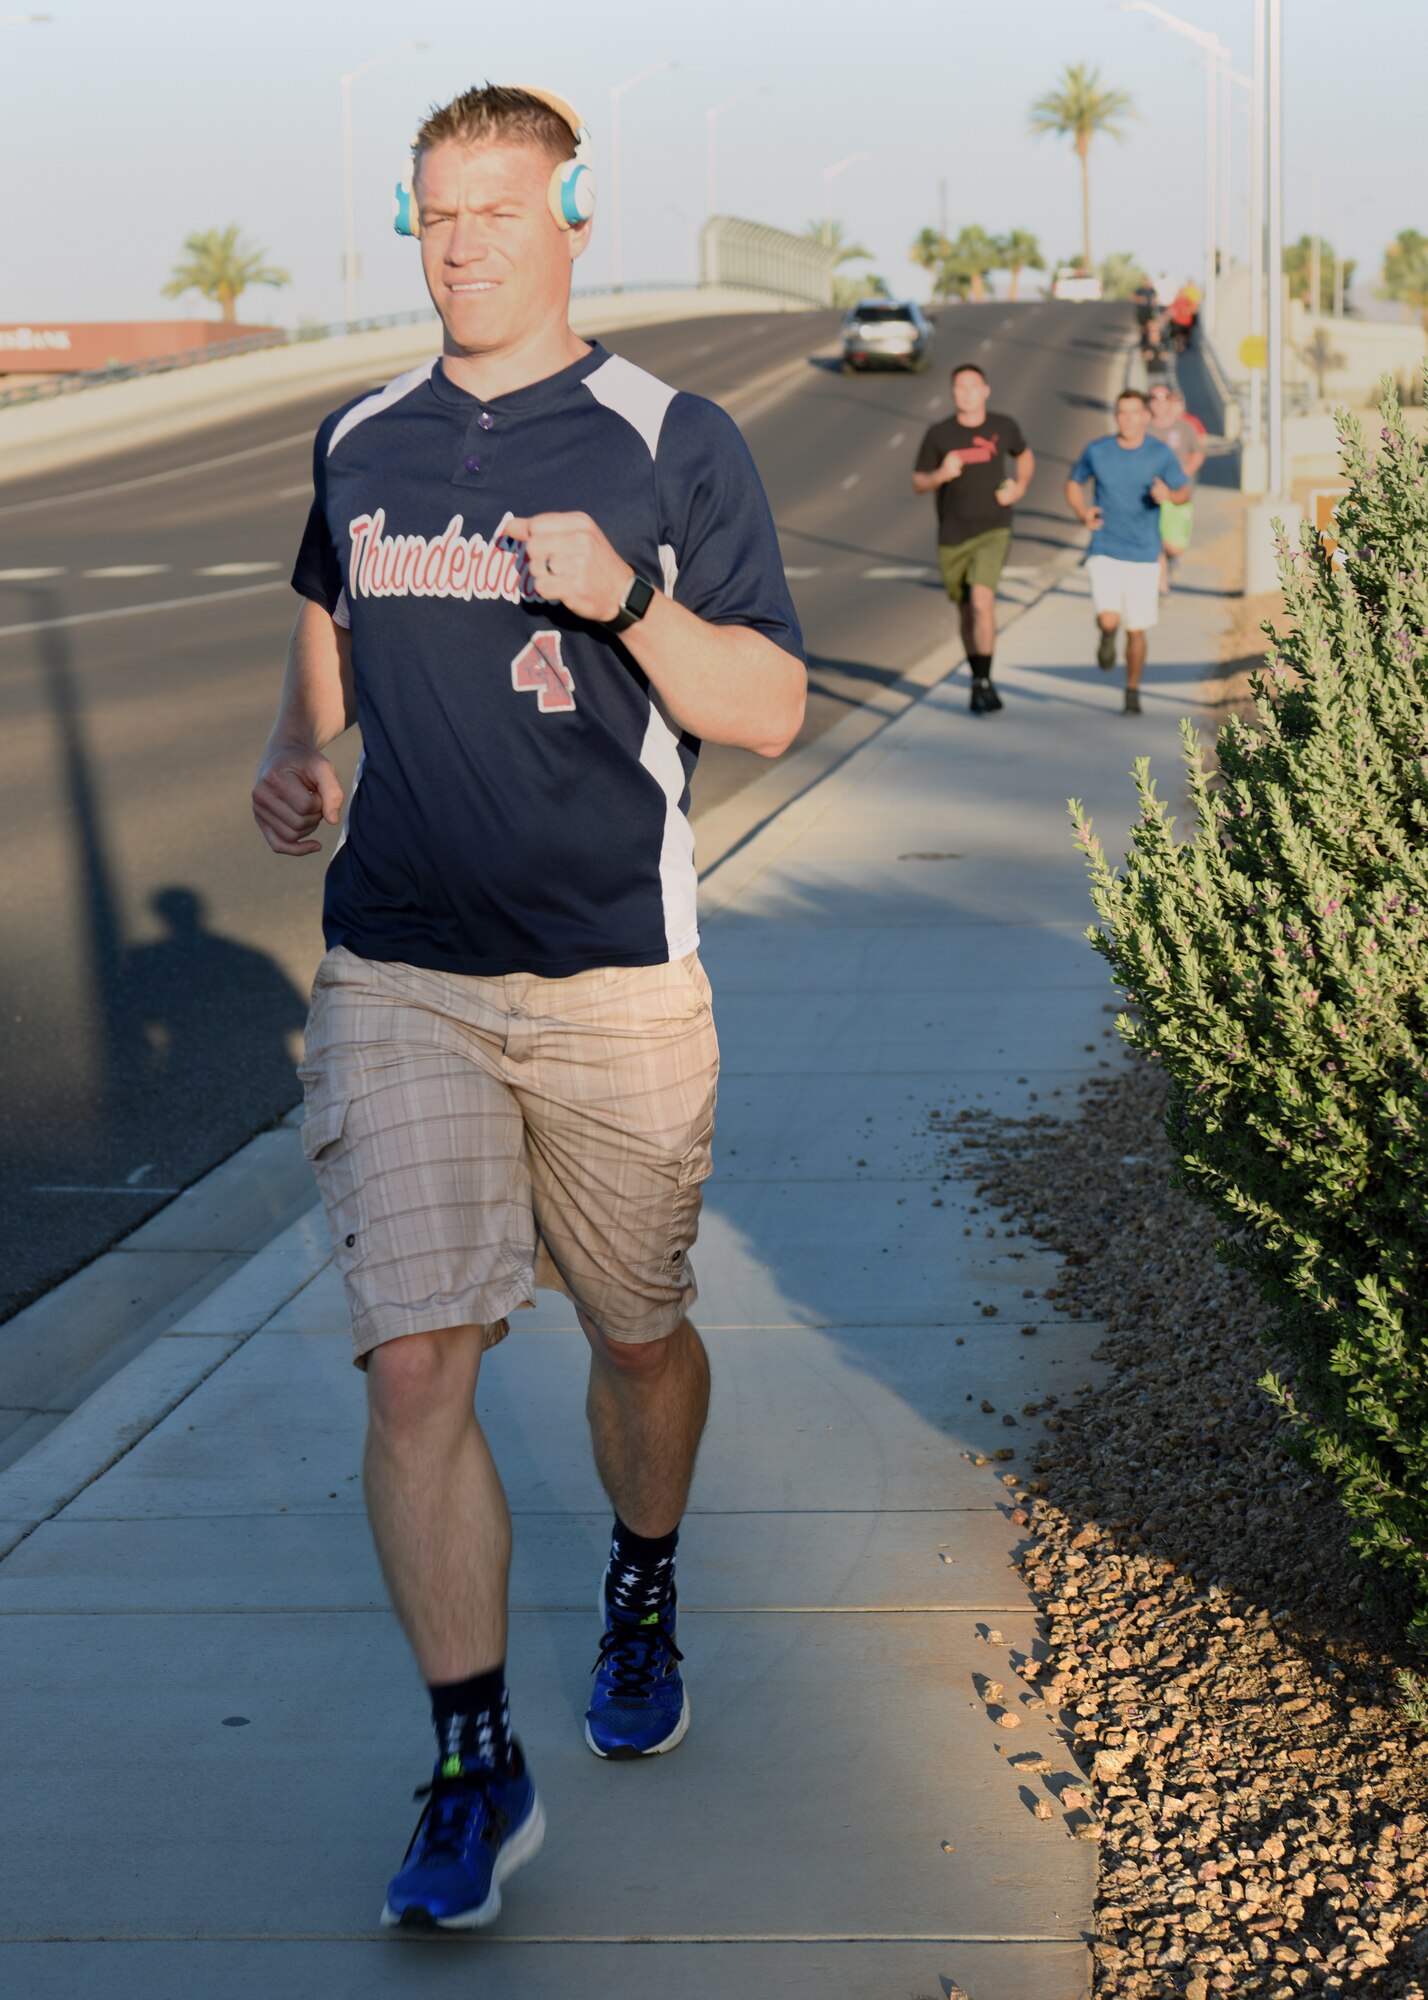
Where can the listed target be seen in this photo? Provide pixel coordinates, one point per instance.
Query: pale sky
(124, 124)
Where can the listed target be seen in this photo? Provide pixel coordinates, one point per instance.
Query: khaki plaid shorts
(473, 1138)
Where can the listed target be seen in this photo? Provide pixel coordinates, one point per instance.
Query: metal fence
(756, 257)
(783, 281)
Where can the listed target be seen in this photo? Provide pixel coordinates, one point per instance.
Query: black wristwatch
(633, 605)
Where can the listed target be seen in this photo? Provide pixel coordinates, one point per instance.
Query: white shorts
(1130, 589)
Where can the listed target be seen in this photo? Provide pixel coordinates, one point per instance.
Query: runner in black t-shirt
(965, 462)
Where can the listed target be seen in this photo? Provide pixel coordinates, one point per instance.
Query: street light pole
(717, 111)
(1214, 48)
(1256, 423)
(349, 201)
(1274, 274)
(617, 245)
(830, 174)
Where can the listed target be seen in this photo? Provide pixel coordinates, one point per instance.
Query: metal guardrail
(756, 257)
(279, 336)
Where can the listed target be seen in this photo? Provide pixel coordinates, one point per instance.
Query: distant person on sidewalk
(1131, 477)
(978, 465)
(537, 578)
(1184, 312)
(1172, 423)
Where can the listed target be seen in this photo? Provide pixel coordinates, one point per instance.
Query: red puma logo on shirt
(981, 451)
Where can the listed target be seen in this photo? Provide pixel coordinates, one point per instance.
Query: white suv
(1071, 282)
(891, 332)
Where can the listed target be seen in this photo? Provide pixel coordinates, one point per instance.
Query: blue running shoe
(640, 1707)
(476, 1828)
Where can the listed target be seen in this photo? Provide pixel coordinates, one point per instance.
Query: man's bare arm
(928, 482)
(1089, 517)
(296, 787)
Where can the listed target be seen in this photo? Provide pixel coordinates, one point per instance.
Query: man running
(1173, 425)
(979, 465)
(1131, 477)
(536, 577)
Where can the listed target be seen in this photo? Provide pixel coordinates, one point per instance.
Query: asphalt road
(158, 956)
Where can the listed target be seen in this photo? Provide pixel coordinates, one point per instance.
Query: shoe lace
(635, 1656)
(441, 1830)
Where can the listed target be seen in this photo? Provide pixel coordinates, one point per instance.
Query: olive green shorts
(976, 561)
(1176, 522)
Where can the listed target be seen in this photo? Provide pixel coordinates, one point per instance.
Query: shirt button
(473, 465)
(486, 420)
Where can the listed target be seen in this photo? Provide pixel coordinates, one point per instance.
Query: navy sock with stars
(641, 1574)
(473, 1722)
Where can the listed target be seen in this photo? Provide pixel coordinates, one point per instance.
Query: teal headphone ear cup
(577, 193)
(405, 219)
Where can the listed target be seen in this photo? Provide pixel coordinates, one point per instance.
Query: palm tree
(930, 251)
(219, 265)
(1405, 271)
(971, 257)
(1077, 110)
(1120, 274)
(830, 236)
(1019, 251)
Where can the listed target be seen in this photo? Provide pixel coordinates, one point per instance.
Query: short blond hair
(493, 113)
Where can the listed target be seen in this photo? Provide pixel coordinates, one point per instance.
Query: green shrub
(1277, 962)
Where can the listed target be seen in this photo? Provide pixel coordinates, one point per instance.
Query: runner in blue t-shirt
(536, 577)
(1132, 476)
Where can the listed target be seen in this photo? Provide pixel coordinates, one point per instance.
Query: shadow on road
(116, 1091)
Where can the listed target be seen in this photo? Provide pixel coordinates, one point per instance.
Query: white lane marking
(700, 352)
(103, 1190)
(27, 575)
(794, 574)
(892, 573)
(934, 402)
(237, 569)
(296, 492)
(136, 610)
(1005, 324)
(130, 569)
(157, 478)
(985, 345)
(897, 438)
(851, 480)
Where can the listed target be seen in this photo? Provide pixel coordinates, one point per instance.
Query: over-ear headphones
(571, 193)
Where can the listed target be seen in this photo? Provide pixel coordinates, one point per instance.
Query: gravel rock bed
(1212, 1651)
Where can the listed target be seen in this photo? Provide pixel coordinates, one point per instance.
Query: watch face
(637, 597)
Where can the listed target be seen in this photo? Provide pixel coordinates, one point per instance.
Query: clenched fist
(296, 789)
(573, 564)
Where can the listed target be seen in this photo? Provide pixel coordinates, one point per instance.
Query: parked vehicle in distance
(1070, 282)
(893, 333)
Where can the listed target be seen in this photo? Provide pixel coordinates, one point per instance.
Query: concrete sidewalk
(211, 1725)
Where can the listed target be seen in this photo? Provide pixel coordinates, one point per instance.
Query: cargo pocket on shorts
(694, 1169)
(327, 1145)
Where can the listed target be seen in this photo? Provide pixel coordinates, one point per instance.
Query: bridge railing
(754, 256)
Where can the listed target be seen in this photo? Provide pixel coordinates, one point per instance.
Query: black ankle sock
(641, 1574)
(981, 665)
(473, 1721)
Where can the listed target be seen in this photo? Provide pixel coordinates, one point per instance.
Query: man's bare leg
(434, 1500)
(1135, 658)
(979, 617)
(1109, 624)
(647, 1405)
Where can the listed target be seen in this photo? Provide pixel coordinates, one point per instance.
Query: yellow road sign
(1254, 351)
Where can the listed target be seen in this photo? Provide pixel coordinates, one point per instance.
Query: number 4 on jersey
(538, 669)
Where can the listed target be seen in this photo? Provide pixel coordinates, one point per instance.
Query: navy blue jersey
(521, 803)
